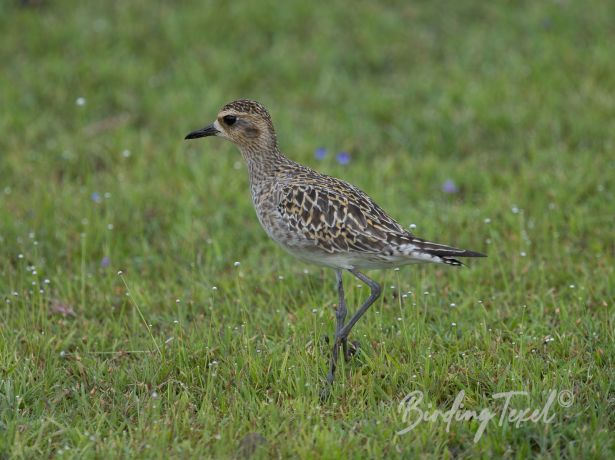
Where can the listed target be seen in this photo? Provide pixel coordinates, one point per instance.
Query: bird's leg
(375, 291)
(340, 316)
(341, 335)
(340, 313)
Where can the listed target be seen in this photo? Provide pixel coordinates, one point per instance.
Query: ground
(486, 125)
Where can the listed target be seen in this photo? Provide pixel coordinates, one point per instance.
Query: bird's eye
(229, 119)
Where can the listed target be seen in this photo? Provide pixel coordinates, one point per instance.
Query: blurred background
(487, 125)
(513, 99)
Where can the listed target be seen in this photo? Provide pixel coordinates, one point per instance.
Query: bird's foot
(350, 349)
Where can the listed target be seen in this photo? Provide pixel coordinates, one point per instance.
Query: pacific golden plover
(318, 218)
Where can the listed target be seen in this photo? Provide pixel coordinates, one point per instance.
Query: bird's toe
(351, 349)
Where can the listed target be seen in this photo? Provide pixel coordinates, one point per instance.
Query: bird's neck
(263, 163)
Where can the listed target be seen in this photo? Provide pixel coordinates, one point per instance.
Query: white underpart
(410, 250)
(351, 260)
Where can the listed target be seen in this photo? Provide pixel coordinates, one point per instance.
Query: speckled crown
(247, 106)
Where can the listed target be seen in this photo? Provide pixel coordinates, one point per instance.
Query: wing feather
(337, 216)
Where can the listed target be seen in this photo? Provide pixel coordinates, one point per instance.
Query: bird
(321, 219)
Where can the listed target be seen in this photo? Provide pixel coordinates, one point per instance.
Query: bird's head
(244, 122)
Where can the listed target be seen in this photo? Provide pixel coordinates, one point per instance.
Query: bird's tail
(439, 253)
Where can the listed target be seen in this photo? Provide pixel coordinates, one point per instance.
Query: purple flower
(320, 153)
(449, 187)
(95, 197)
(343, 158)
(105, 262)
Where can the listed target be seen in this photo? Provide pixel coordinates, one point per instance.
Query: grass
(188, 354)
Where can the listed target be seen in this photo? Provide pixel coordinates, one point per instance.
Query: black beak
(203, 132)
